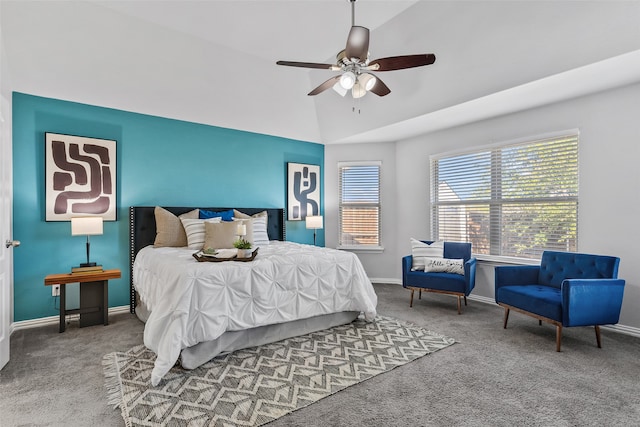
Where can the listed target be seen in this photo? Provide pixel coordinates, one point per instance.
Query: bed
(195, 311)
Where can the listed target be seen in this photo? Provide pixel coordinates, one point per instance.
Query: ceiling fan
(355, 67)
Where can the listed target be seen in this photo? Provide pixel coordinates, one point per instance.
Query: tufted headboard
(142, 230)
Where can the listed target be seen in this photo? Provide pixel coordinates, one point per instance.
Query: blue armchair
(566, 289)
(444, 283)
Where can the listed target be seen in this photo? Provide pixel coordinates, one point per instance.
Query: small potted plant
(244, 248)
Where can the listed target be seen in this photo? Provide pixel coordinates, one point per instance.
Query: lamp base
(88, 264)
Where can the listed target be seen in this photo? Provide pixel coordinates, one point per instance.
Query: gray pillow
(169, 229)
(221, 235)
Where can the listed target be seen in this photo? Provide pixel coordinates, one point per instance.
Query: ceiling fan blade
(307, 65)
(358, 43)
(401, 62)
(324, 86)
(379, 88)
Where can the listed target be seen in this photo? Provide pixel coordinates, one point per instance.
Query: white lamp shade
(314, 221)
(367, 81)
(86, 226)
(358, 91)
(338, 88)
(347, 80)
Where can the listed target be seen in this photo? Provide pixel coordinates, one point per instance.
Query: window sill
(502, 260)
(361, 248)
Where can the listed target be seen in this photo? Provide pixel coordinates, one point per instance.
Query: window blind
(359, 204)
(514, 200)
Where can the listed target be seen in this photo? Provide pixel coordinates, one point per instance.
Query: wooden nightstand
(94, 295)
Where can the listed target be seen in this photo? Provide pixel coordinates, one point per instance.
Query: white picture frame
(303, 191)
(80, 177)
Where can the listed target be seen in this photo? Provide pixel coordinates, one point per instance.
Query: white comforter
(192, 301)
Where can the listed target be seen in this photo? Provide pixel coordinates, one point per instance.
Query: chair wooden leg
(539, 322)
(419, 294)
(558, 337)
(506, 317)
(598, 336)
(411, 300)
(459, 312)
(465, 300)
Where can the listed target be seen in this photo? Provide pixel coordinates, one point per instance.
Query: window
(513, 200)
(359, 204)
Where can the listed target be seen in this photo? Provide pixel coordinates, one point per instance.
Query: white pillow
(259, 222)
(260, 235)
(194, 229)
(419, 250)
(444, 265)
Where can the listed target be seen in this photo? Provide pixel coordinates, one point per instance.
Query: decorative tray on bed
(204, 257)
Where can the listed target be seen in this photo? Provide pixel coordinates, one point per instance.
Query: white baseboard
(484, 300)
(384, 280)
(54, 320)
(623, 329)
(627, 330)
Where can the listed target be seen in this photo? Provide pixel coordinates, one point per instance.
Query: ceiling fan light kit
(339, 89)
(355, 66)
(367, 80)
(358, 91)
(347, 80)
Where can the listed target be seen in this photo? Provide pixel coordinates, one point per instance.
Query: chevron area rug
(255, 386)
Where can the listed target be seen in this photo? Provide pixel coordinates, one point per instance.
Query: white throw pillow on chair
(420, 250)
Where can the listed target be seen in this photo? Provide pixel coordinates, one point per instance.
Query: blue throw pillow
(225, 215)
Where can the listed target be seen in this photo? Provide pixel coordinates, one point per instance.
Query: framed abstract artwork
(303, 191)
(80, 177)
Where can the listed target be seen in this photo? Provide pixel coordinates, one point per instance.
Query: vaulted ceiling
(213, 62)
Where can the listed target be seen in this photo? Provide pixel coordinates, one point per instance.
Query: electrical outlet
(55, 290)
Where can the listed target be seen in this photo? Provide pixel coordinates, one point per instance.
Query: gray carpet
(490, 377)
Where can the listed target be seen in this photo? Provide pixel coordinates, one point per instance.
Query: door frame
(6, 256)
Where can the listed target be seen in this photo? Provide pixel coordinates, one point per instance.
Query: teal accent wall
(159, 162)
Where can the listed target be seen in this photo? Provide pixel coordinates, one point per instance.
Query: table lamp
(89, 226)
(314, 222)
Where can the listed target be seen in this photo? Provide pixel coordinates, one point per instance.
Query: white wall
(379, 264)
(609, 203)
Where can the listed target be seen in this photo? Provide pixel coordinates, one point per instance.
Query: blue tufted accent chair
(566, 289)
(444, 283)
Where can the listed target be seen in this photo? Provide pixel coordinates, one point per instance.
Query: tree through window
(513, 200)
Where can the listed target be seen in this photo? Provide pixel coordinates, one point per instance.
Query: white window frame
(494, 236)
(359, 247)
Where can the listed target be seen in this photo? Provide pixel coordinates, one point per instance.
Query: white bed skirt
(192, 357)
